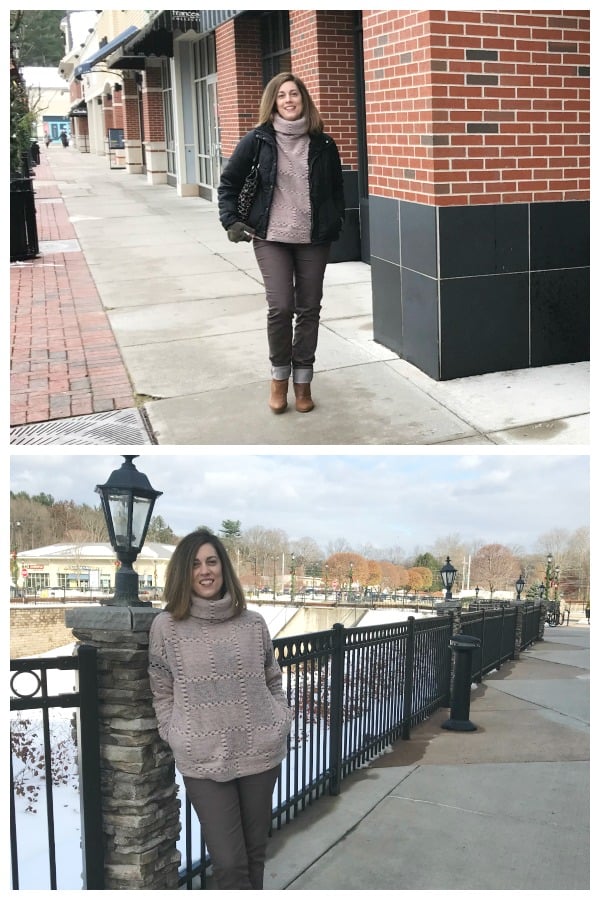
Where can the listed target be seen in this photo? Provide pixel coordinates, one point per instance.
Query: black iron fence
(354, 691)
(32, 748)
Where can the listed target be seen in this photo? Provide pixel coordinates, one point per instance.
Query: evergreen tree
(37, 34)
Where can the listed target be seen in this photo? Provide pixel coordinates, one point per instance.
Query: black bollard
(463, 646)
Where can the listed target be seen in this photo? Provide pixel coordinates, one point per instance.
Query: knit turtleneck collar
(212, 610)
(296, 128)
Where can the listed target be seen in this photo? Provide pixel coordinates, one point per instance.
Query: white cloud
(381, 499)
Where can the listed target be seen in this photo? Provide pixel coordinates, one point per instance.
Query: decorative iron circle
(32, 693)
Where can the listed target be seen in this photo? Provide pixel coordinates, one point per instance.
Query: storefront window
(275, 44)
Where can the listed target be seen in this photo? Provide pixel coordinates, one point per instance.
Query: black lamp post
(127, 502)
(448, 574)
(350, 580)
(477, 593)
(326, 582)
(519, 585)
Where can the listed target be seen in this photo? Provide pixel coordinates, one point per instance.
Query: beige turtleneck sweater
(290, 214)
(217, 691)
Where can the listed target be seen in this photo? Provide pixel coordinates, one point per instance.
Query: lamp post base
(126, 589)
(458, 725)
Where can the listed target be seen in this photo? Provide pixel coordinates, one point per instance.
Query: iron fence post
(88, 744)
(407, 692)
(337, 709)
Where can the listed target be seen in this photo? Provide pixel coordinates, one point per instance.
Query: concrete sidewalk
(505, 807)
(141, 323)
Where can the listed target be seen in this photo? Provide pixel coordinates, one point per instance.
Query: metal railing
(30, 692)
(353, 692)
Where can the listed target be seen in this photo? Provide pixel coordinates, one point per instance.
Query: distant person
(219, 703)
(47, 140)
(64, 139)
(296, 213)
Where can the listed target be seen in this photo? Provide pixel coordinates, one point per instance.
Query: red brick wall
(322, 44)
(107, 109)
(239, 84)
(322, 55)
(118, 109)
(154, 119)
(131, 118)
(468, 107)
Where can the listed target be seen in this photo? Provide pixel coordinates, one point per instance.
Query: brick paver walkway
(64, 357)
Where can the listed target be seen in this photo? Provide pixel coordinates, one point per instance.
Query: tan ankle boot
(278, 398)
(304, 401)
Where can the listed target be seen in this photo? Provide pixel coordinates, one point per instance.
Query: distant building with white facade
(76, 567)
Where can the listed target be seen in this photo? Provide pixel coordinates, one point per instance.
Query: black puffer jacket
(325, 182)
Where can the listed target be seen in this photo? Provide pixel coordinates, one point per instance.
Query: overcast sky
(406, 500)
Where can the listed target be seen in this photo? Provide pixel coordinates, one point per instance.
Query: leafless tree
(495, 566)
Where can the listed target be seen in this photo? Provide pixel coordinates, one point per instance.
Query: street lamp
(477, 593)
(448, 574)
(326, 582)
(519, 585)
(127, 502)
(350, 580)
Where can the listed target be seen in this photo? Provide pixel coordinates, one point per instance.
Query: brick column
(154, 126)
(239, 85)
(322, 45)
(479, 180)
(141, 815)
(131, 125)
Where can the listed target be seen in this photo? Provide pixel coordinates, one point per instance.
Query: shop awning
(79, 109)
(156, 38)
(104, 51)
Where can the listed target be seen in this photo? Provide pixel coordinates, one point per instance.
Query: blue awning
(104, 51)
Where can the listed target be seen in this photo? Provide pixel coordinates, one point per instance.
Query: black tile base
(387, 306)
(560, 316)
(485, 325)
(488, 308)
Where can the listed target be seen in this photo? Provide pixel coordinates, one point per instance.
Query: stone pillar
(141, 811)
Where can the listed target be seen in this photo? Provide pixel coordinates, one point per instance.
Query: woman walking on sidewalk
(296, 212)
(220, 705)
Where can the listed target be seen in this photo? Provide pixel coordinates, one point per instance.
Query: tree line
(267, 557)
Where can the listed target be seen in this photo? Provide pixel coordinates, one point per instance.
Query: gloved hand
(240, 232)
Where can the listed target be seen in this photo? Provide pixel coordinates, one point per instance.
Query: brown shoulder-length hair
(178, 581)
(268, 103)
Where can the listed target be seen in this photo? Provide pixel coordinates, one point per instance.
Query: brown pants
(293, 278)
(235, 818)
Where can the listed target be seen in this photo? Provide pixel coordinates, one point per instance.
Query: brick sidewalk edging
(64, 357)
